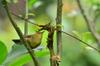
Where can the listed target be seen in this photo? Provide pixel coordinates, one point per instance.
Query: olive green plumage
(33, 40)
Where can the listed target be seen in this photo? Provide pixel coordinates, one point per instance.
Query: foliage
(74, 52)
(3, 52)
(30, 3)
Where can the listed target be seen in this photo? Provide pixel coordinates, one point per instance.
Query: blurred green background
(74, 53)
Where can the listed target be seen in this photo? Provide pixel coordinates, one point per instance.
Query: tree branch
(50, 47)
(19, 33)
(90, 24)
(59, 22)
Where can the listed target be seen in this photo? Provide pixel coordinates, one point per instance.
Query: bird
(34, 40)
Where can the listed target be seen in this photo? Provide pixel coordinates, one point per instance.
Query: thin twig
(90, 24)
(19, 33)
(81, 41)
(26, 18)
(59, 22)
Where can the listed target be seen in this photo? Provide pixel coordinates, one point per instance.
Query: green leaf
(42, 53)
(25, 58)
(20, 55)
(21, 60)
(93, 57)
(87, 37)
(3, 52)
(30, 3)
(16, 52)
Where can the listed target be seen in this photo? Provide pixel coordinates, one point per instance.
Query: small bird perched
(33, 40)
